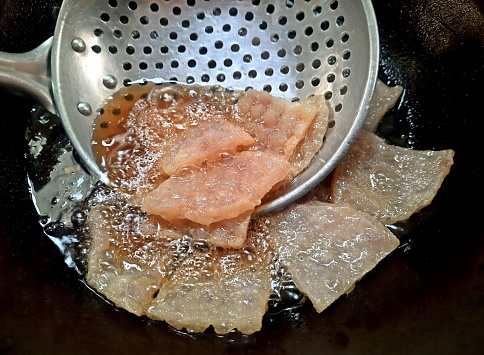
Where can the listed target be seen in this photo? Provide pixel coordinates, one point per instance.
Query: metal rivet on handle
(84, 108)
(78, 45)
(110, 81)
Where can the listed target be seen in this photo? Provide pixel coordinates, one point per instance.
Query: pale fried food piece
(128, 258)
(150, 269)
(205, 142)
(328, 247)
(179, 126)
(228, 233)
(279, 125)
(387, 181)
(314, 137)
(225, 288)
(184, 153)
(219, 192)
(383, 99)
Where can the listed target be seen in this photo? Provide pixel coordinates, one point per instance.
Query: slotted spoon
(292, 49)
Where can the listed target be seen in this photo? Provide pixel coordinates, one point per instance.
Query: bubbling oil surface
(133, 127)
(112, 116)
(62, 189)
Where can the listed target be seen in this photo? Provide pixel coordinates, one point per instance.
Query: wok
(427, 297)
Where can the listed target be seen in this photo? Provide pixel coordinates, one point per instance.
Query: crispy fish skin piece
(387, 181)
(151, 269)
(314, 136)
(126, 260)
(225, 288)
(279, 125)
(164, 130)
(222, 191)
(328, 247)
(383, 99)
(228, 233)
(207, 141)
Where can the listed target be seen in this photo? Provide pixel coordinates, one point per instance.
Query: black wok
(425, 298)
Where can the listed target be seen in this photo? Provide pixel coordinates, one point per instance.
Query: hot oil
(182, 106)
(135, 124)
(112, 117)
(69, 229)
(178, 105)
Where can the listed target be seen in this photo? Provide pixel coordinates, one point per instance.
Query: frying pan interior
(425, 298)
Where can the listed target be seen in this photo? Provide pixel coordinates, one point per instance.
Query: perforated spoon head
(291, 49)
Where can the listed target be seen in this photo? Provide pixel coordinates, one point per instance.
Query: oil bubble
(44, 220)
(78, 218)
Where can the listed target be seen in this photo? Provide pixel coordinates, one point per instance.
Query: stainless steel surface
(291, 49)
(28, 74)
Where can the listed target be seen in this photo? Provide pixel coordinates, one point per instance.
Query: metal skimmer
(292, 49)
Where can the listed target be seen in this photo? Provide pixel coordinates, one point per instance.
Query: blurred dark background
(426, 298)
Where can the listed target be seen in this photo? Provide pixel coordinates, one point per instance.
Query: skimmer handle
(28, 74)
